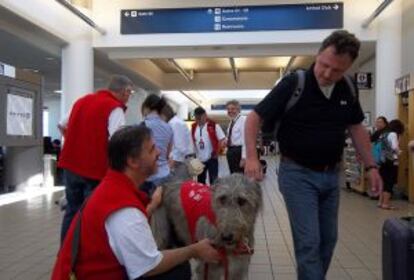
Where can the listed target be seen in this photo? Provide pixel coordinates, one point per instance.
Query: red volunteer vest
(96, 260)
(211, 130)
(86, 140)
(196, 201)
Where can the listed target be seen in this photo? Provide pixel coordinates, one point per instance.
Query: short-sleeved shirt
(313, 130)
(182, 143)
(131, 240)
(163, 136)
(205, 153)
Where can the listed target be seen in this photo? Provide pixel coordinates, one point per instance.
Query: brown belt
(313, 167)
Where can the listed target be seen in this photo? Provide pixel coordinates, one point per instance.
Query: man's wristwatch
(369, 167)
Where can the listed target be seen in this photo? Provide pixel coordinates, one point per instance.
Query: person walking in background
(208, 138)
(381, 124)
(163, 137)
(311, 138)
(235, 136)
(389, 161)
(182, 147)
(92, 120)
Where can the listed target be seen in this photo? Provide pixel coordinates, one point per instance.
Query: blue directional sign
(228, 19)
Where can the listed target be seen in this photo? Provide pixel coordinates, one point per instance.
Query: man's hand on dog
(155, 201)
(206, 252)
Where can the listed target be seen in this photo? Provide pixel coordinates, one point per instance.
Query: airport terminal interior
(195, 54)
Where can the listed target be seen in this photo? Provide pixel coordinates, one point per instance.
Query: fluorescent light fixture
(188, 76)
(234, 69)
(180, 96)
(82, 16)
(376, 13)
(289, 65)
(31, 70)
(234, 94)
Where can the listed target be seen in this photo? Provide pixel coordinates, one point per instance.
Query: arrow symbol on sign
(336, 7)
(126, 14)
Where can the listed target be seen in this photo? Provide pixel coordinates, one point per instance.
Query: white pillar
(77, 70)
(388, 56)
(182, 111)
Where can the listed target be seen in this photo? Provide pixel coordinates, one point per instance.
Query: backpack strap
(297, 93)
(351, 86)
(76, 243)
(294, 98)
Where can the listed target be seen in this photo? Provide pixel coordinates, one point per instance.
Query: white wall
(367, 97)
(407, 37)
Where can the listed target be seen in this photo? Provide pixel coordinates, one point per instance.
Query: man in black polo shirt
(311, 138)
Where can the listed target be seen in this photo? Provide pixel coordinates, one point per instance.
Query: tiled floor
(29, 237)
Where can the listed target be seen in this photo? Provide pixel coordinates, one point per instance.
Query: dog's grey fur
(236, 201)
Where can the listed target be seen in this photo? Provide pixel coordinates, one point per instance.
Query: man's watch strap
(369, 167)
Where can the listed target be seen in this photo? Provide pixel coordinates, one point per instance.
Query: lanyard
(201, 130)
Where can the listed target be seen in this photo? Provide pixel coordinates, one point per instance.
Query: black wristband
(369, 167)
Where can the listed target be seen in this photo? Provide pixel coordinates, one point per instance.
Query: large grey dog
(235, 202)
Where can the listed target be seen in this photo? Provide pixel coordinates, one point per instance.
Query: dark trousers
(182, 272)
(233, 155)
(77, 189)
(212, 167)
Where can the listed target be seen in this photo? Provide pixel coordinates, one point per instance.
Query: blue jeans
(312, 200)
(77, 189)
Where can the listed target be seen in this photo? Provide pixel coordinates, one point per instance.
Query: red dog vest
(196, 201)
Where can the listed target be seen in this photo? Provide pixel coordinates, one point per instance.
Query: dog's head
(236, 201)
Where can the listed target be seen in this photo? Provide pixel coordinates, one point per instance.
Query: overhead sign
(228, 19)
(364, 80)
(19, 115)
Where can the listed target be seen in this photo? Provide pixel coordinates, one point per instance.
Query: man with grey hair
(311, 138)
(92, 120)
(235, 136)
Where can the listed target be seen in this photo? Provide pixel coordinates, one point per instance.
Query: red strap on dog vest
(225, 262)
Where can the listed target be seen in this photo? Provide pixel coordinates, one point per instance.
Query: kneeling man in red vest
(110, 237)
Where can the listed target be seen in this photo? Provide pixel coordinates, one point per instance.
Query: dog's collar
(241, 249)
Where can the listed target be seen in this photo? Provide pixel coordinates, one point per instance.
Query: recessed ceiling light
(49, 58)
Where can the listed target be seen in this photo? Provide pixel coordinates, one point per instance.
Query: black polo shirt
(312, 132)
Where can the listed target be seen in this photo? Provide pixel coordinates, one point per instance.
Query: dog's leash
(241, 249)
(225, 261)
